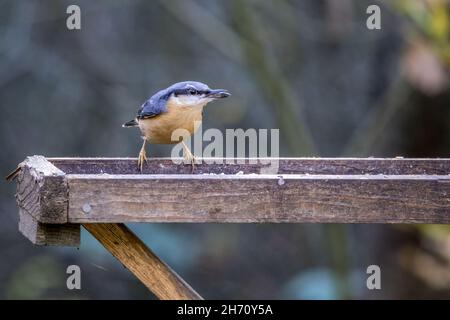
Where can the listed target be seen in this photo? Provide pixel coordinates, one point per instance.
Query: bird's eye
(192, 91)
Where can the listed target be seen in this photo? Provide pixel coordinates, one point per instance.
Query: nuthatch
(179, 106)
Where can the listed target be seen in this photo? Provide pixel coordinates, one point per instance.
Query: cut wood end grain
(42, 198)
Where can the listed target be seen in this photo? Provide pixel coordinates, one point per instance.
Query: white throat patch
(189, 100)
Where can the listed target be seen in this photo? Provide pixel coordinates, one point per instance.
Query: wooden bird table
(57, 195)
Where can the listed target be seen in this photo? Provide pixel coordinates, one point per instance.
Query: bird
(180, 106)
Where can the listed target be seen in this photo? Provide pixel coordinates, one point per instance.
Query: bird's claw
(141, 159)
(190, 158)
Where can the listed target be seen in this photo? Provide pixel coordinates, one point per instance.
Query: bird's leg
(188, 156)
(142, 156)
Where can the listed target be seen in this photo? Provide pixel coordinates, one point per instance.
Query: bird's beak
(218, 94)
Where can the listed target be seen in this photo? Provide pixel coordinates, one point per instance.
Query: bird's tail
(131, 123)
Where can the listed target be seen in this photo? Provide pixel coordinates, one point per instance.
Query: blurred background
(308, 67)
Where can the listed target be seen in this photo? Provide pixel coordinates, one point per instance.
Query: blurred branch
(246, 48)
(274, 86)
(212, 30)
(339, 19)
(378, 120)
(337, 245)
(430, 21)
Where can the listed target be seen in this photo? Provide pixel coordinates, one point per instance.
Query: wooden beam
(45, 234)
(334, 166)
(306, 190)
(123, 244)
(259, 198)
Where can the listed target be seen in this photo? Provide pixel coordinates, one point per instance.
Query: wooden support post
(123, 244)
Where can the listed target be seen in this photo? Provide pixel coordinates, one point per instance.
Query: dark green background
(310, 68)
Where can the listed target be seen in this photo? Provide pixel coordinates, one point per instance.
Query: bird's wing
(148, 110)
(153, 107)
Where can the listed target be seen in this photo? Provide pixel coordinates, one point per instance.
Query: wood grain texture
(310, 190)
(335, 166)
(44, 234)
(260, 198)
(42, 190)
(142, 262)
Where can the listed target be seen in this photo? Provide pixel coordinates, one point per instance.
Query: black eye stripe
(189, 91)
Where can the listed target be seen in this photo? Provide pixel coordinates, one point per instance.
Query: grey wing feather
(153, 106)
(147, 110)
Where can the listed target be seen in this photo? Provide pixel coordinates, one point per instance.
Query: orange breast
(159, 129)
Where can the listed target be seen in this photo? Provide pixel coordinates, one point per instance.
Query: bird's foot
(141, 159)
(190, 158)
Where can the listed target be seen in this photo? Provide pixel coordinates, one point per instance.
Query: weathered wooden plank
(336, 166)
(44, 234)
(259, 198)
(42, 199)
(123, 244)
(42, 190)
